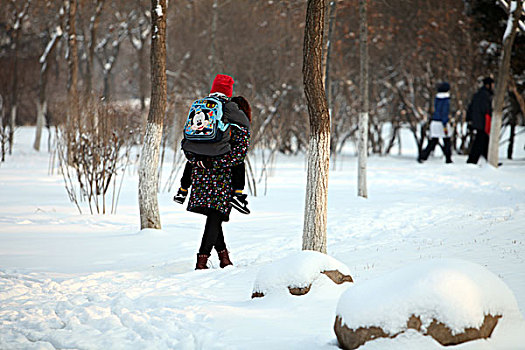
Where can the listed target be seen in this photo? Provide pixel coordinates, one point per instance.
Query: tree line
(413, 45)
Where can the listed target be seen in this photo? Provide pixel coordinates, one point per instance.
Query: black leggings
(213, 236)
(432, 143)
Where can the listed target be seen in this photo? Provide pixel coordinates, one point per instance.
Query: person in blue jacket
(439, 123)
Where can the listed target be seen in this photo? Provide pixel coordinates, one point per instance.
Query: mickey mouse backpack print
(204, 122)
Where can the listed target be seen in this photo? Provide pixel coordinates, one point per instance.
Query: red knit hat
(223, 84)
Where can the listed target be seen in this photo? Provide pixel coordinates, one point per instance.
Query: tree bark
(142, 78)
(362, 144)
(19, 20)
(501, 83)
(213, 35)
(149, 159)
(72, 61)
(14, 97)
(93, 24)
(2, 130)
(41, 104)
(513, 120)
(328, 47)
(315, 215)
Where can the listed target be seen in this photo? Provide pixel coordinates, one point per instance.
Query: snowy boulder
(297, 272)
(453, 301)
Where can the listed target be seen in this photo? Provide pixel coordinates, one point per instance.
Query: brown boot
(224, 258)
(202, 260)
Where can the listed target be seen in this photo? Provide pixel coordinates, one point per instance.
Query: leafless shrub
(94, 151)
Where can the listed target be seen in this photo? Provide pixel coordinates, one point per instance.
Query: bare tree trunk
(328, 47)
(315, 215)
(14, 97)
(362, 145)
(517, 95)
(41, 110)
(149, 159)
(142, 78)
(501, 83)
(72, 61)
(41, 104)
(213, 48)
(19, 19)
(2, 130)
(513, 120)
(93, 24)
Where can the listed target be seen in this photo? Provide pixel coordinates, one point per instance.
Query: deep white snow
(98, 282)
(455, 292)
(297, 270)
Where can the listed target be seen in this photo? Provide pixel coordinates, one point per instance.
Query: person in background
(479, 113)
(439, 124)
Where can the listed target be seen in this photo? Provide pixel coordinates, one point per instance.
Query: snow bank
(298, 270)
(455, 292)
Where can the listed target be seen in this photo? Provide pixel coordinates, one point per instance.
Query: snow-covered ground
(98, 282)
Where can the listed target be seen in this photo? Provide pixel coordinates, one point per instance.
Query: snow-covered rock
(297, 272)
(453, 301)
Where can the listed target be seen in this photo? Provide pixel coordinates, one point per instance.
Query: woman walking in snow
(211, 181)
(439, 123)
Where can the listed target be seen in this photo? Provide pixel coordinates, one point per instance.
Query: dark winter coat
(232, 115)
(441, 107)
(211, 188)
(480, 106)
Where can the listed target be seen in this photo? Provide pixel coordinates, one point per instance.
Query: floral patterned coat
(211, 188)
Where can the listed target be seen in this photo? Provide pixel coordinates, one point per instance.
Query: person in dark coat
(479, 114)
(211, 184)
(439, 123)
(231, 116)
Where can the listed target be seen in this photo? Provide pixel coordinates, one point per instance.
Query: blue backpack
(204, 122)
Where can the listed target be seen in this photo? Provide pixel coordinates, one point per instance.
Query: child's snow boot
(224, 258)
(180, 197)
(202, 261)
(240, 203)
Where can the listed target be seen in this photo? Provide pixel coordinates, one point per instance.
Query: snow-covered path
(97, 282)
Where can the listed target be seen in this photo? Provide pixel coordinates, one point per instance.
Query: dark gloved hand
(180, 197)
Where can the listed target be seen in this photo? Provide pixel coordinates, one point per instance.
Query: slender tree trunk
(14, 97)
(149, 159)
(315, 215)
(105, 93)
(510, 148)
(142, 77)
(93, 24)
(501, 83)
(72, 83)
(328, 47)
(41, 104)
(2, 130)
(213, 47)
(362, 145)
(41, 110)
(514, 121)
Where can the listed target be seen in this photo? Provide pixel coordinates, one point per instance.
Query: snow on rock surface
(296, 271)
(454, 292)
